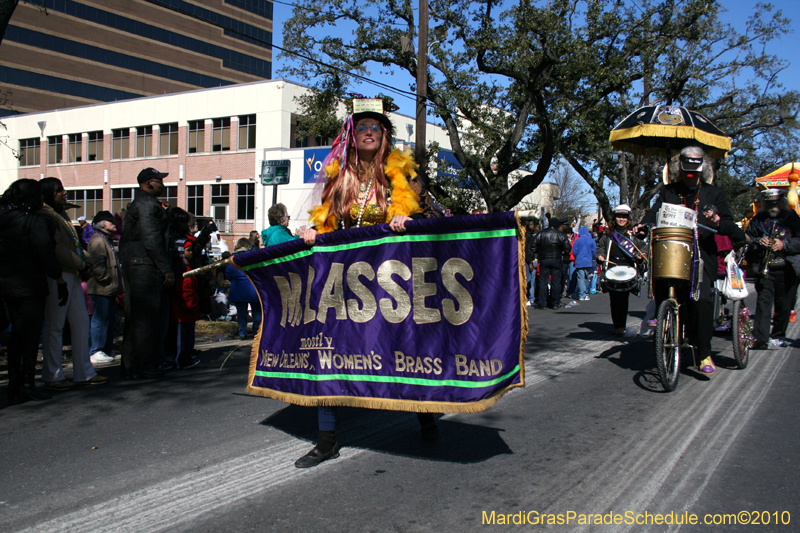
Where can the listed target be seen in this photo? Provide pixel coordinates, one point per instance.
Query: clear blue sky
(737, 12)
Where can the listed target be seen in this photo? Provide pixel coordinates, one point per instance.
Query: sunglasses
(362, 128)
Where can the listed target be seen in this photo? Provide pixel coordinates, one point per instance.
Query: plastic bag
(734, 287)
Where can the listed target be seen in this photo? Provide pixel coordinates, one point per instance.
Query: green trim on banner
(388, 379)
(390, 240)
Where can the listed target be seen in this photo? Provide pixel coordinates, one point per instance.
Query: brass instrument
(203, 269)
(768, 255)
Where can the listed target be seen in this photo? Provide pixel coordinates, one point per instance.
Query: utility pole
(422, 86)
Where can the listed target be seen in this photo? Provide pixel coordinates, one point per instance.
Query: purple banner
(431, 320)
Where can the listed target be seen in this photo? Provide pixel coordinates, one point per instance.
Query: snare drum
(621, 278)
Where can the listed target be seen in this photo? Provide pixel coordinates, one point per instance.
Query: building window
(75, 148)
(144, 141)
(120, 144)
(197, 136)
(168, 139)
(28, 152)
(54, 145)
(170, 196)
(194, 200)
(89, 202)
(95, 146)
(247, 132)
(221, 135)
(120, 198)
(220, 194)
(246, 201)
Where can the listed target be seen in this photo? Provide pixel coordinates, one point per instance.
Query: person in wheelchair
(691, 185)
(624, 255)
(776, 258)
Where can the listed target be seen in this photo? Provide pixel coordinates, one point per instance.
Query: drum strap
(624, 244)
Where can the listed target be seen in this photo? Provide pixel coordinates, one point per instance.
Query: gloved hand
(63, 294)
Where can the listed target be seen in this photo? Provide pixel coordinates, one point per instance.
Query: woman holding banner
(621, 253)
(366, 182)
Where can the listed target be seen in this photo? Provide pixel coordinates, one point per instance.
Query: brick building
(211, 141)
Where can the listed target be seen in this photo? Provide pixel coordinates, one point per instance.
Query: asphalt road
(591, 434)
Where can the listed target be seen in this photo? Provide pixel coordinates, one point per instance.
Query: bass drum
(621, 278)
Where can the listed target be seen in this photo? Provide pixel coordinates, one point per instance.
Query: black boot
(427, 426)
(326, 448)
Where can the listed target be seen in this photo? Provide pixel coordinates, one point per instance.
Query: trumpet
(768, 255)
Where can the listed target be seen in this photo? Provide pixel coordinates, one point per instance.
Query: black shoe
(153, 373)
(557, 306)
(539, 307)
(760, 345)
(190, 362)
(167, 365)
(242, 337)
(315, 457)
(30, 392)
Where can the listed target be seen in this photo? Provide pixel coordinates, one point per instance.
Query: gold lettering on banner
(290, 298)
(329, 360)
(416, 365)
(453, 266)
(333, 294)
(477, 367)
(284, 360)
(366, 313)
(310, 314)
(419, 266)
(392, 314)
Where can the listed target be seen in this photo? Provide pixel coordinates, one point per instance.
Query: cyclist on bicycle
(691, 178)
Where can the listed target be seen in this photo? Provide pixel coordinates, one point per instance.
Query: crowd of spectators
(70, 283)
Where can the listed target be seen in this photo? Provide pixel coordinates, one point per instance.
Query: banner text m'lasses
(301, 305)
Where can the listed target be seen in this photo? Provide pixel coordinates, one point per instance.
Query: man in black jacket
(691, 176)
(144, 250)
(777, 227)
(550, 245)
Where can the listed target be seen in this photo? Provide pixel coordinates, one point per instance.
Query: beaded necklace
(363, 205)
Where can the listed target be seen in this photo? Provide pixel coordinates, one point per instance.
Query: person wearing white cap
(776, 229)
(618, 248)
(691, 186)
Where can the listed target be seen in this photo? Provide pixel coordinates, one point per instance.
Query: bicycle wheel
(742, 334)
(668, 352)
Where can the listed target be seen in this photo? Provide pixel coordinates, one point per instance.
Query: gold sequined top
(373, 214)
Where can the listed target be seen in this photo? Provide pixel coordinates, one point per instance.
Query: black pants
(779, 288)
(550, 272)
(698, 316)
(619, 307)
(146, 318)
(26, 316)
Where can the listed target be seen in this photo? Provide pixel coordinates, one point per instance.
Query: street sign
(275, 172)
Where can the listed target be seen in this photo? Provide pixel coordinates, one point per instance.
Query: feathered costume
(402, 200)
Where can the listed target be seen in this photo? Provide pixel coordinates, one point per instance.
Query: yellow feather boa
(400, 167)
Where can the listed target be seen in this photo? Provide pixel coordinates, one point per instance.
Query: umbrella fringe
(618, 138)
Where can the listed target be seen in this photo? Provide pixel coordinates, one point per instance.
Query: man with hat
(776, 232)
(144, 251)
(550, 246)
(690, 185)
(103, 287)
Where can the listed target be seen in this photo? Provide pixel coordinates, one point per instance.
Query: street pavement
(592, 433)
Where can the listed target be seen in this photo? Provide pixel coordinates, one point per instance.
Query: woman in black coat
(27, 237)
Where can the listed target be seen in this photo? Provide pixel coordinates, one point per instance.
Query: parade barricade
(430, 320)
